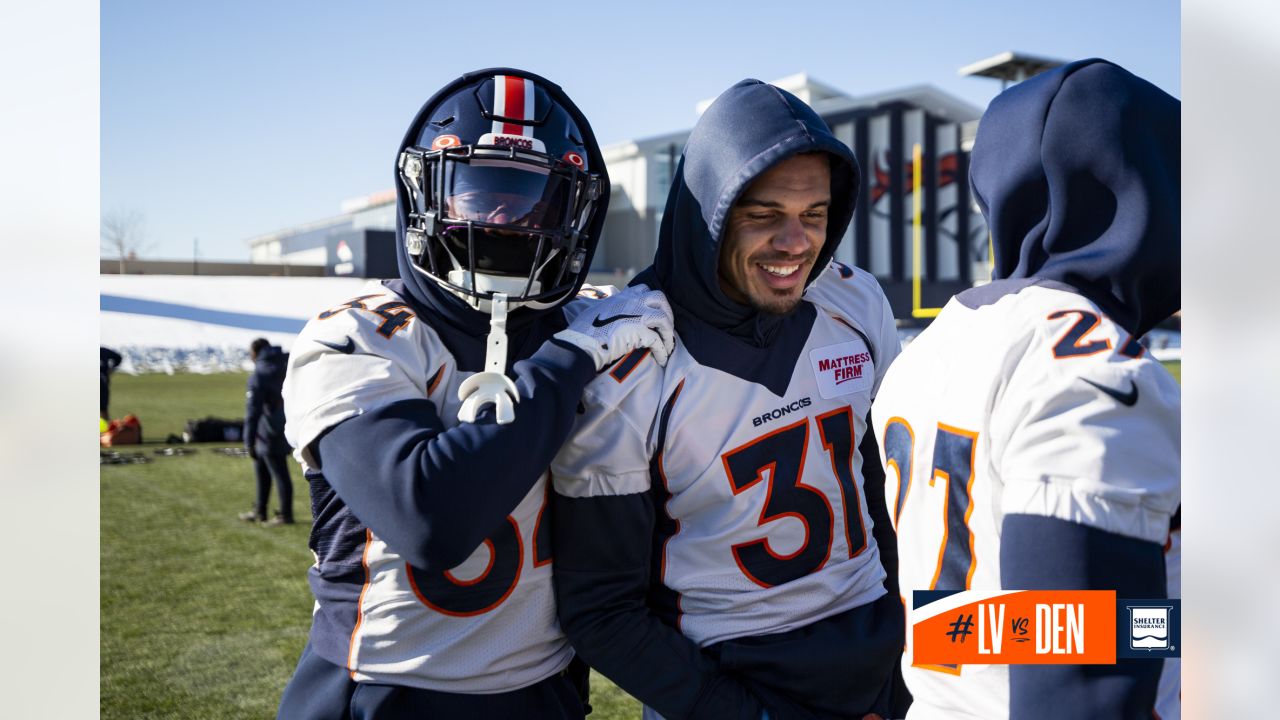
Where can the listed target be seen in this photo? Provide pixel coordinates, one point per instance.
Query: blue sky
(222, 121)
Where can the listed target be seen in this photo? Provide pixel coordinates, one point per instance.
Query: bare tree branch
(123, 234)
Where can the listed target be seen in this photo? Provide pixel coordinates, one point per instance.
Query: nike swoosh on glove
(610, 328)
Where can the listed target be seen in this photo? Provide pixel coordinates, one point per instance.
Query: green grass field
(204, 616)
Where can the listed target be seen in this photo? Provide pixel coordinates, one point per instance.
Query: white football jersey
(1035, 403)
(762, 521)
(488, 625)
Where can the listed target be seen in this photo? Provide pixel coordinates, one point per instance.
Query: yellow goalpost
(917, 202)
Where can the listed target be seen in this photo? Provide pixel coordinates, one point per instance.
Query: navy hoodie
(750, 128)
(1077, 172)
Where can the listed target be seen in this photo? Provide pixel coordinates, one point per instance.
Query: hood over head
(750, 128)
(271, 360)
(1077, 172)
(422, 290)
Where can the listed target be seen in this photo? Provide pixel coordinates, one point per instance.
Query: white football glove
(610, 328)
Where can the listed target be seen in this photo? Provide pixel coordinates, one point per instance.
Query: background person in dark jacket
(108, 361)
(264, 431)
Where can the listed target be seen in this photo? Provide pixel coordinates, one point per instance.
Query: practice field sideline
(202, 615)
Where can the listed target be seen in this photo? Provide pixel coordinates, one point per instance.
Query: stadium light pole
(1010, 67)
(195, 256)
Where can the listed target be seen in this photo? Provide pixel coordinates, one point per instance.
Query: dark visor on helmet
(514, 195)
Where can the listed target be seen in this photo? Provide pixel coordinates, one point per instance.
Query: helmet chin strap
(485, 282)
(492, 385)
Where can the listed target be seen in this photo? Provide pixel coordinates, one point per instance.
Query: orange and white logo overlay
(1014, 627)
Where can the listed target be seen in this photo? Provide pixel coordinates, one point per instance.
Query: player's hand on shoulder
(635, 318)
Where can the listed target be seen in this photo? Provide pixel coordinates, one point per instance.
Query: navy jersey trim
(435, 380)
(623, 368)
(468, 350)
(337, 536)
(664, 601)
(770, 366)
(1038, 553)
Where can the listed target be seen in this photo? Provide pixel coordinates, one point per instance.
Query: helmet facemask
(492, 217)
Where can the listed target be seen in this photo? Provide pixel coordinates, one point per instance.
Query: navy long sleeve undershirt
(601, 589)
(432, 493)
(873, 489)
(1042, 553)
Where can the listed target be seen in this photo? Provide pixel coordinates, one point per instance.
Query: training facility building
(916, 228)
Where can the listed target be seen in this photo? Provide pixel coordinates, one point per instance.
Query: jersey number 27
(953, 454)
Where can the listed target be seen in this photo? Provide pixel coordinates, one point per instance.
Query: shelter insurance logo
(1038, 627)
(1149, 628)
(1152, 627)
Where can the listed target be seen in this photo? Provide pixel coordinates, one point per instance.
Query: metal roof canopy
(1010, 66)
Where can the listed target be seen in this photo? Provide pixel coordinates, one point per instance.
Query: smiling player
(715, 551)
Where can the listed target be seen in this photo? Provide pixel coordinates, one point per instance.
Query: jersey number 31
(781, 454)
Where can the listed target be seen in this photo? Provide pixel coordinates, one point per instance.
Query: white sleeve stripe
(596, 484)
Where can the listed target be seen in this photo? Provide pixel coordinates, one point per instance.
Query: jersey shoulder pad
(1070, 330)
(608, 451)
(356, 356)
(1060, 345)
(367, 318)
(1087, 416)
(634, 370)
(850, 293)
(853, 297)
(630, 388)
